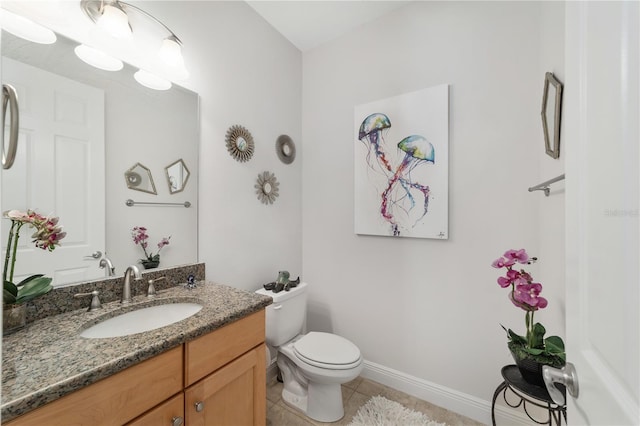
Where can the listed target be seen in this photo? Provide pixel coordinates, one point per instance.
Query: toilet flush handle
(277, 307)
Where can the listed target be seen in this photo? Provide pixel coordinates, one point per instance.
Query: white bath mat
(379, 411)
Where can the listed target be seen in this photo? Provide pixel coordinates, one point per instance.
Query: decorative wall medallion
(239, 143)
(286, 149)
(267, 187)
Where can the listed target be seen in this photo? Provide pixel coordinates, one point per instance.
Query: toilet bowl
(313, 365)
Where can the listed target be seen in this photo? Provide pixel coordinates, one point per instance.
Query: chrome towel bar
(544, 186)
(132, 203)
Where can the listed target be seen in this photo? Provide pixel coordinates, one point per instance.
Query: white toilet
(313, 365)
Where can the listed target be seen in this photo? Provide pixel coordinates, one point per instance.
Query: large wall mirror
(81, 130)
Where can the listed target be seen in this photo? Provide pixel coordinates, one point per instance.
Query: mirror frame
(551, 136)
(184, 183)
(267, 196)
(234, 133)
(286, 149)
(131, 185)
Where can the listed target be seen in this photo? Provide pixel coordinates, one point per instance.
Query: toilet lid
(326, 348)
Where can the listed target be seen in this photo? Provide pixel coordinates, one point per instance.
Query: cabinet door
(170, 413)
(233, 395)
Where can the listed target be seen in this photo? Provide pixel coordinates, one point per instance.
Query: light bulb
(26, 28)
(170, 52)
(98, 58)
(151, 81)
(115, 21)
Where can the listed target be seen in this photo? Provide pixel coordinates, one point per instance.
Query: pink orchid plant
(525, 294)
(47, 236)
(140, 237)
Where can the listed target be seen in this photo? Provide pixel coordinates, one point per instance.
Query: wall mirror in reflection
(177, 176)
(139, 178)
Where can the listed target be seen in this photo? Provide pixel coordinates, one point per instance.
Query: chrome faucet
(126, 289)
(105, 262)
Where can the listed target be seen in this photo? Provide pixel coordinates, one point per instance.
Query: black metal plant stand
(527, 394)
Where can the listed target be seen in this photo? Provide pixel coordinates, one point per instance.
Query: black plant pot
(150, 264)
(530, 369)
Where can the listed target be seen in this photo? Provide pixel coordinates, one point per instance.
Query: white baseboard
(453, 400)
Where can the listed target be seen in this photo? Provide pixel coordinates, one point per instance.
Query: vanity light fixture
(98, 58)
(170, 51)
(151, 81)
(25, 28)
(114, 20)
(116, 17)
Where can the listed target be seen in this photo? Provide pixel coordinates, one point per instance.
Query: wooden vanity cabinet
(170, 413)
(225, 375)
(216, 379)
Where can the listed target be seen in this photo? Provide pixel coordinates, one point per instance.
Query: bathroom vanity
(205, 370)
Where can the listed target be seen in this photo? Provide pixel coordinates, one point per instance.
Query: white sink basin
(140, 320)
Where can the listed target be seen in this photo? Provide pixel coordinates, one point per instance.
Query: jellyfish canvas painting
(401, 164)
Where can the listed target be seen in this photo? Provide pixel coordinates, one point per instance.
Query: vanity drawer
(210, 352)
(116, 399)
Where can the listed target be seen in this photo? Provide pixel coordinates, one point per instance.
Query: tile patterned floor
(354, 395)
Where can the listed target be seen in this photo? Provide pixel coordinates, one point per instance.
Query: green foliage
(545, 351)
(27, 289)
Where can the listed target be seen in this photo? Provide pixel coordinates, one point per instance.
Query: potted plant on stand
(533, 350)
(15, 296)
(140, 237)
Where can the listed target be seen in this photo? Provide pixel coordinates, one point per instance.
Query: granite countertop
(48, 359)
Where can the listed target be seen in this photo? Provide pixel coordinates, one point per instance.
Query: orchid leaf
(26, 280)
(10, 288)
(8, 298)
(9, 293)
(554, 345)
(533, 351)
(34, 288)
(516, 338)
(537, 337)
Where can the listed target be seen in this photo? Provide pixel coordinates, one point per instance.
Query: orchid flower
(524, 294)
(47, 236)
(140, 237)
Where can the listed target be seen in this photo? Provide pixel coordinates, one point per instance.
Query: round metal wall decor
(286, 149)
(267, 187)
(239, 143)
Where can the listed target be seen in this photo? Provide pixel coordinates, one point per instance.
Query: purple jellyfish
(417, 150)
(371, 131)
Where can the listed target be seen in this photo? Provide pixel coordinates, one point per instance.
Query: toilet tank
(285, 317)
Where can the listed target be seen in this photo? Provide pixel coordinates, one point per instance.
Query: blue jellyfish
(371, 130)
(417, 150)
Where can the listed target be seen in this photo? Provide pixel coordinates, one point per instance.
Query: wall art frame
(551, 114)
(401, 165)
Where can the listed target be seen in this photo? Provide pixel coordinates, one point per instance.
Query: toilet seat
(326, 350)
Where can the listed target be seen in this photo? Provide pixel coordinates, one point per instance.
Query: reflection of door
(59, 170)
(600, 116)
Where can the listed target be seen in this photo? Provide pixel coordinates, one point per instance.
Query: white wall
(430, 309)
(246, 73)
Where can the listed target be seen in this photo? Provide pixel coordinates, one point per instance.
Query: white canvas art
(401, 164)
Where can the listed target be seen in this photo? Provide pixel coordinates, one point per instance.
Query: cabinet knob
(177, 421)
(199, 406)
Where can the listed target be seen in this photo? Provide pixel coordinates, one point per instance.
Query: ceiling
(308, 24)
